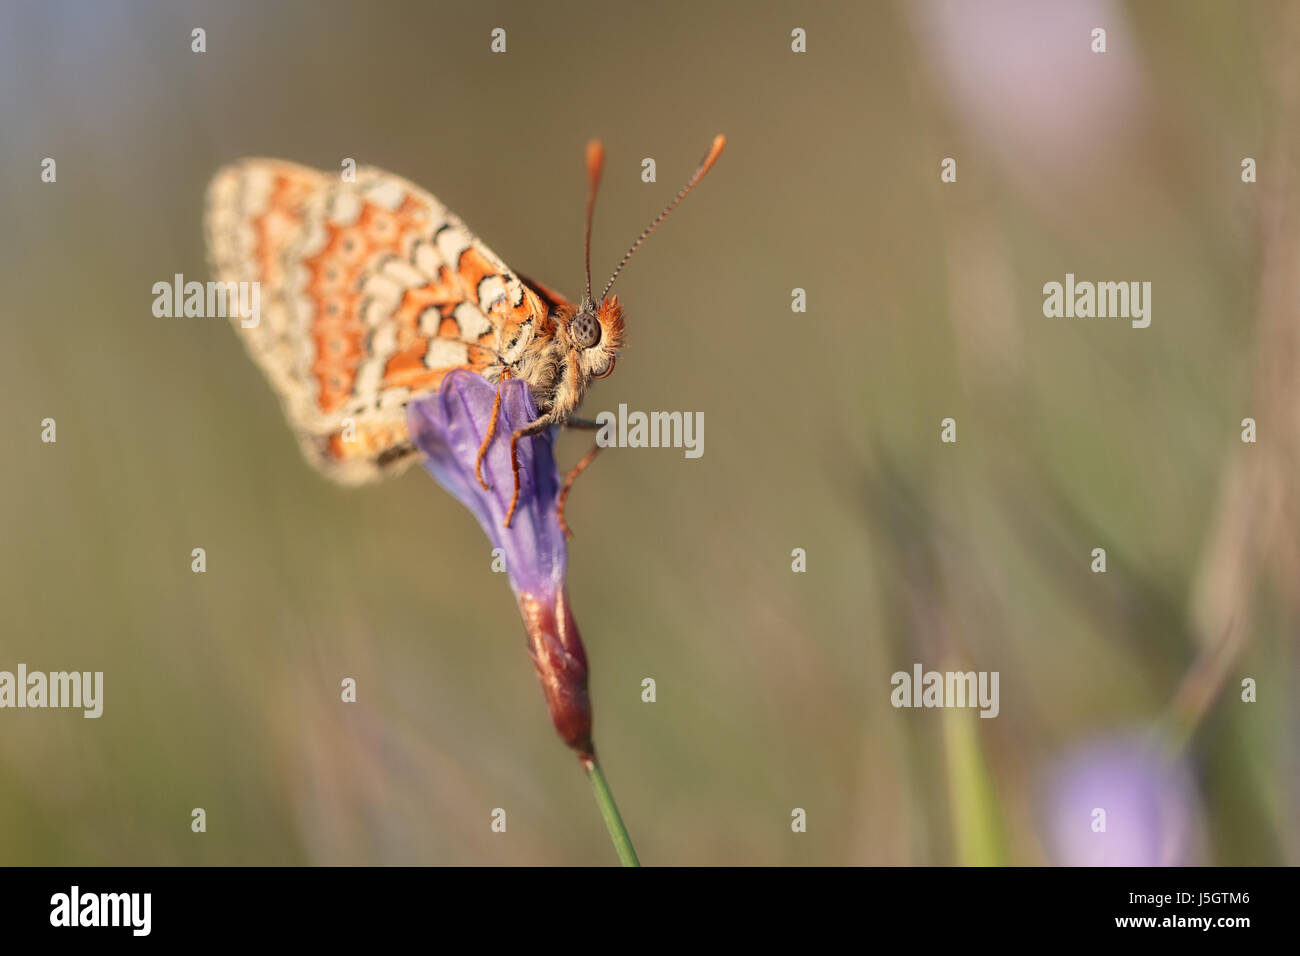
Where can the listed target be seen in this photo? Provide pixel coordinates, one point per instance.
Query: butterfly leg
(578, 469)
(588, 425)
(532, 428)
(487, 440)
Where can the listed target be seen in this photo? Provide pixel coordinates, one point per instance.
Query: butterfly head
(594, 335)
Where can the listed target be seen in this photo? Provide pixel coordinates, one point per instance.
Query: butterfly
(372, 291)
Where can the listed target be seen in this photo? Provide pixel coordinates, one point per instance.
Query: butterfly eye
(606, 370)
(585, 330)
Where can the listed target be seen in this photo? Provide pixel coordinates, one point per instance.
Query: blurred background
(822, 432)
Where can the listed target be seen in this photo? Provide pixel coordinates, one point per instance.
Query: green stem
(609, 811)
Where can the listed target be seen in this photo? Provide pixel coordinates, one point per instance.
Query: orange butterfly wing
(370, 292)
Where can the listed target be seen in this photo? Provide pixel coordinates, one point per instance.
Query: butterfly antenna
(595, 164)
(706, 164)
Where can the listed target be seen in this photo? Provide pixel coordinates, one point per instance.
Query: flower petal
(449, 427)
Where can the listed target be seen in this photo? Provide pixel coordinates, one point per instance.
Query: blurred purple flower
(449, 426)
(1021, 77)
(1149, 798)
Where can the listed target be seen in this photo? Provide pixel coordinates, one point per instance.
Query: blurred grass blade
(975, 822)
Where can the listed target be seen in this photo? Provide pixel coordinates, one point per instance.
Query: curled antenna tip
(595, 159)
(715, 151)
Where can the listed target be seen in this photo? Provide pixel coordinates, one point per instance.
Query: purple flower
(449, 426)
(1151, 811)
(1021, 76)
